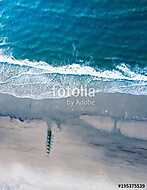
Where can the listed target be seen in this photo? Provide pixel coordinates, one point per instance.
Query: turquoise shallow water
(107, 36)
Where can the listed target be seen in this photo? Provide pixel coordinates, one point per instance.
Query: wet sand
(119, 106)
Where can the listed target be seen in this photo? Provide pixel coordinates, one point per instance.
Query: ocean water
(95, 43)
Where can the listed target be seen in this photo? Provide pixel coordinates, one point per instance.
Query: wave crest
(33, 79)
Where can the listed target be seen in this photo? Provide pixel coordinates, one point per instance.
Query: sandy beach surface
(81, 157)
(93, 146)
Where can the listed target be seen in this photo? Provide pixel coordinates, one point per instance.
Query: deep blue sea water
(101, 43)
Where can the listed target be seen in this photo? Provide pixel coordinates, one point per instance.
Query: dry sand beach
(95, 148)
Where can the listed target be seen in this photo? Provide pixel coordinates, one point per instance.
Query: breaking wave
(24, 78)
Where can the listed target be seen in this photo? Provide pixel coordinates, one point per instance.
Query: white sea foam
(33, 79)
(121, 72)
